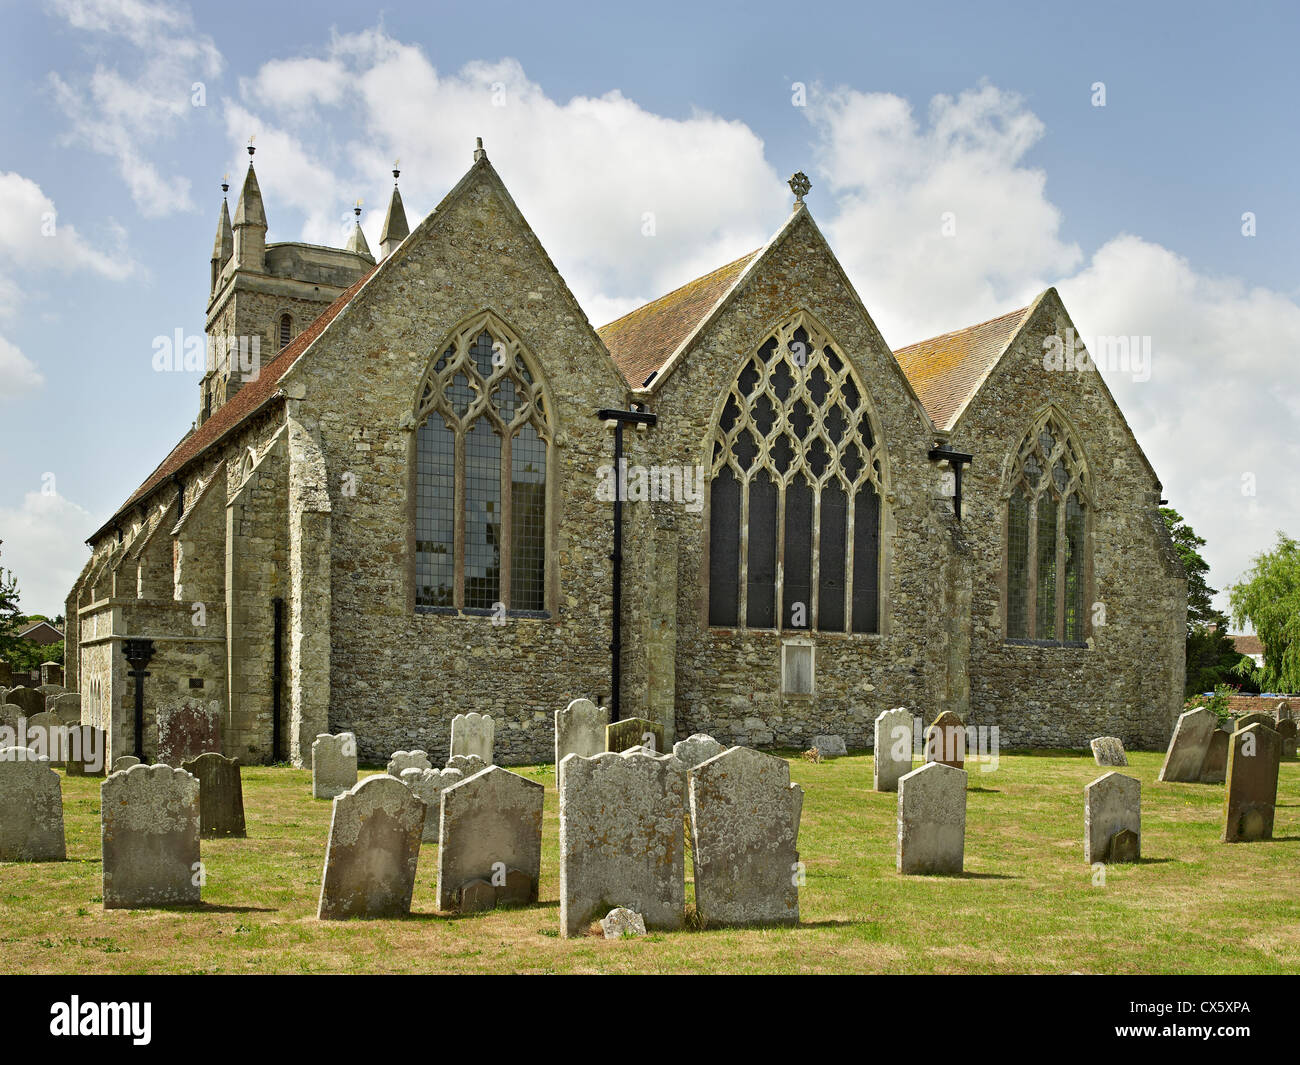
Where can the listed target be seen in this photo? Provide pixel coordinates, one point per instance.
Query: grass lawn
(1026, 904)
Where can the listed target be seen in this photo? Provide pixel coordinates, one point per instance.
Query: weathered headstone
(86, 751)
(403, 760)
(893, 752)
(491, 827)
(468, 764)
(150, 831)
(580, 730)
(1188, 746)
(1253, 756)
(1215, 767)
(1111, 804)
(67, 706)
(221, 795)
(622, 923)
(932, 820)
(333, 764)
(473, 733)
(31, 808)
(621, 839)
(48, 735)
(1258, 718)
(428, 784)
(28, 700)
(696, 748)
(1109, 750)
(634, 732)
(1284, 711)
(124, 763)
(829, 746)
(1286, 730)
(188, 729)
(945, 740)
(373, 851)
(745, 825)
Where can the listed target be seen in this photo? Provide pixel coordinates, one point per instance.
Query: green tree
(11, 617)
(1200, 596)
(1268, 597)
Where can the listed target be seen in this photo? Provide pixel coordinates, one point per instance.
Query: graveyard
(1025, 901)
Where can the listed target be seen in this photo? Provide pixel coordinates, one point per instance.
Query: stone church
(402, 511)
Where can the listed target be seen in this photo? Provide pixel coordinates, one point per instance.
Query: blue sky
(1133, 209)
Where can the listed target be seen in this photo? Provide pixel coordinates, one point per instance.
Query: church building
(396, 505)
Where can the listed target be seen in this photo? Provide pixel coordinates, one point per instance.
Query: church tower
(264, 294)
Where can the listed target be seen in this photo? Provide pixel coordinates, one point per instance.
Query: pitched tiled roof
(250, 398)
(946, 370)
(1247, 645)
(641, 342)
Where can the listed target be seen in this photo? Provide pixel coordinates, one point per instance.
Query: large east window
(481, 457)
(1047, 538)
(795, 492)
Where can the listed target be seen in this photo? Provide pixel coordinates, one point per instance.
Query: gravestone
(1253, 756)
(1284, 711)
(945, 740)
(893, 751)
(1215, 767)
(1246, 720)
(491, 828)
(622, 923)
(188, 729)
(373, 851)
(695, 749)
(1188, 746)
(29, 701)
(1111, 804)
(468, 764)
(403, 760)
(87, 751)
(580, 730)
(932, 820)
(333, 764)
(428, 784)
(829, 746)
(67, 706)
(150, 832)
(49, 691)
(745, 826)
(1286, 731)
(634, 732)
(221, 795)
(125, 762)
(1109, 750)
(621, 839)
(48, 735)
(31, 808)
(473, 733)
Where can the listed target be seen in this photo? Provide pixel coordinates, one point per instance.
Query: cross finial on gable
(799, 185)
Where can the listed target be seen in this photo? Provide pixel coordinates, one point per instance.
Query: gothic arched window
(286, 329)
(481, 451)
(795, 492)
(1047, 537)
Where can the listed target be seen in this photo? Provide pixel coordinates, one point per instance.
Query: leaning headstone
(1109, 750)
(428, 784)
(1215, 767)
(373, 851)
(188, 729)
(1253, 756)
(333, 764)
(621, 840)
(1286, 730)
(48, 735)
(1111, 804)
(932, 820)
(67, 706)
(945, 740)
(150, 831)
(634, 732)
(745, 825)
(468, 764)
(696, 748)
(1188, 746)
(473, 733)
(403, 760)
(491, 827)
(829, 746)
(86, 751)
(125, 762)
(580, 730)
(31, 808)
(28, 700)
(893, 752)
(221, 795)
(622, 923)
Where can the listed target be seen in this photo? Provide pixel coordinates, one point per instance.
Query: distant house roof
(1247, 645)
(41, 632)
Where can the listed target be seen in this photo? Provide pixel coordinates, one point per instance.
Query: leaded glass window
(795, 492)
(482, 452)
(1047, 549)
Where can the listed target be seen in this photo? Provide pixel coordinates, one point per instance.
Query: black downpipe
(277, 674)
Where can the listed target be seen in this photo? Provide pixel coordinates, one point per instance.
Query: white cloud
(42, 545)
(33, 237)
(18, 374)
(118, 114)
